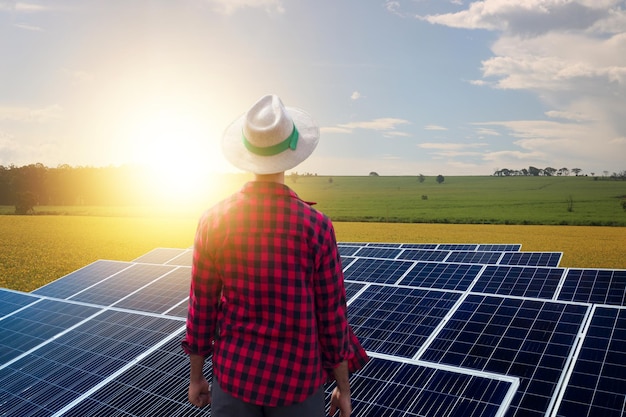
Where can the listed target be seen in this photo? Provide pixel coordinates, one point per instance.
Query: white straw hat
(270, 137)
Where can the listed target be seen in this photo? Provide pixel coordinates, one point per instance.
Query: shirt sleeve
(330, 300)
(204, 297)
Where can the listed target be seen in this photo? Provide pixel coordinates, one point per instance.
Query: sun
(179, 152)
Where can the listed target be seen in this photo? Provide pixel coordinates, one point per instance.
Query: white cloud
(572, 55)
(434, 127)
(24, 114)
(20, 6)
(381, 124)
(450, 146)
(567, 115)
(28, 27)
(231, 6)
(356, 95)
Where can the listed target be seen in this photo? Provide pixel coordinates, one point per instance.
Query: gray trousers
(225, 405)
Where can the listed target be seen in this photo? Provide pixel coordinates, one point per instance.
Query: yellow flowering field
(35, 250)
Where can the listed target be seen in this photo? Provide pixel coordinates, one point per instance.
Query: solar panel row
(466, 334)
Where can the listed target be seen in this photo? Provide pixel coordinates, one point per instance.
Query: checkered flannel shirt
(267, 297)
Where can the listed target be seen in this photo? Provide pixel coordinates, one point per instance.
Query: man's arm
(199, 391)
(340, 398)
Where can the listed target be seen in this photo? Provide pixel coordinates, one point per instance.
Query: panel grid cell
(424, 255)
(162, 294)
(377, 252)
(599, 286)
(531, 258)
(36, 324)
(397, 321)
(112, 290)
(81, 279)
(532, 282)
(445, 276)
(474, 257)
(377, 270)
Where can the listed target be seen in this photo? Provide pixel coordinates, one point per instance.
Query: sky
(407, 87)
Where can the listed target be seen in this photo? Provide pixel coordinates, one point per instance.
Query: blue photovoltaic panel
(424, 255)
(377, 270)
(160, 256)
(431, 246)
(456, 246)
(184, 259)
(59, 371)
(442, 276)
(11, 301)
(529, 339)
(374, 252)
(37, 323)
(155, 386)
(385, 388)
(474, 257)
(499, 247)
(533, 282)
(383, 245)
(348, 250)
(397, 321)
(84, 278)
(352, 288)
(597, 386)
(97, 358)
(600, 286)
(162, 294)
(112, 290)
(531, 258)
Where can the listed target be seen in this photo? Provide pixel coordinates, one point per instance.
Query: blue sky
(398, 87)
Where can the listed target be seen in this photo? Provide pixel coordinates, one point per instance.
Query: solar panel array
(452, 329)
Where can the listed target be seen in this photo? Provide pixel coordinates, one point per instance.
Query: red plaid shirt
(267, 297)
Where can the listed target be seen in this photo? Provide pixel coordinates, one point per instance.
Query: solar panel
(520, 281)
(597, 384)
(453, 330)
(444, 276)
(530, 339)
(531, 258)
(474, 257)
(377, 270)
(397, 321)
(600, 286)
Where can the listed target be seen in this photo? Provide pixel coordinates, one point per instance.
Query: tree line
(66, 185)
(549, 171)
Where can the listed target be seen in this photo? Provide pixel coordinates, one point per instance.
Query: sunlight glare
(178, 154)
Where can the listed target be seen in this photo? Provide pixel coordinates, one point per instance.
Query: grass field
(579, 201)
(35, 250)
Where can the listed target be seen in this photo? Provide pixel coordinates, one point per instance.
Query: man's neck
(278, 177)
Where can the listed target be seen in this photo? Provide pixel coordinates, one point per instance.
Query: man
(267, 297)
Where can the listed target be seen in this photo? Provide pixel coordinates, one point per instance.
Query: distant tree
(576, 171)
(373, 174)
(330, 180)
(440, 179)
(549, 171)
(533, 171)
(294, 177)
(421, 178)
(563, 172)
(26, 203)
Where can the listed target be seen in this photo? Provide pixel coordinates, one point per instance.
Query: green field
(35, 250)
(469, 200)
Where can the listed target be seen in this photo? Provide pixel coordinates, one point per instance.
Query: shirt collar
(271, 188)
